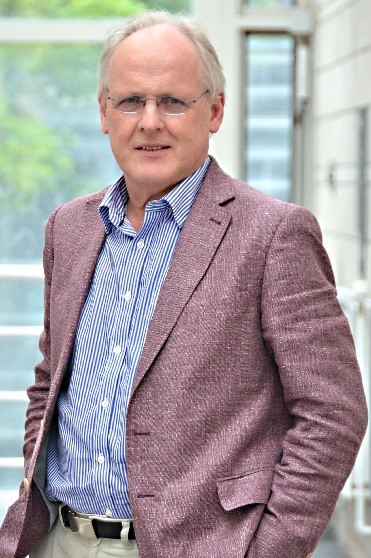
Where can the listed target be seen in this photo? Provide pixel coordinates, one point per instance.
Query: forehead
(158, 55)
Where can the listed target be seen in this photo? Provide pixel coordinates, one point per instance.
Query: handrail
(21, 271)
(20, 331)
(357, 306)
(13, 396)
(23, 30)
(11, 462)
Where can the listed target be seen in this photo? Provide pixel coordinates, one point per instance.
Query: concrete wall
(341, 86)
(340, 65)
(340, 70)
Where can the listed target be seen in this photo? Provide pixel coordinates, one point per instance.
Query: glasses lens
(130, 104)
(172, 105)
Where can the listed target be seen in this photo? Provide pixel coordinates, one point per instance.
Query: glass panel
(20, 302)
(12, 436)
(7, 497)
(270, 3)
(52, 146)
(169, 5)
(269, 117)
(88, 8)
(52, 149)
(72, 8)
(19, 354)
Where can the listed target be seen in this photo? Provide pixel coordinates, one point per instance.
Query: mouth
(152, 147)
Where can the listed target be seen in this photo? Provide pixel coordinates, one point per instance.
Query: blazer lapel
(202, 233)
(90, 242)
(79, 266)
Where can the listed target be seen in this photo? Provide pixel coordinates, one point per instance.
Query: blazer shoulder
(81, 201)
(249, 205)
(241, 197)
(262, 202)
(71, 209)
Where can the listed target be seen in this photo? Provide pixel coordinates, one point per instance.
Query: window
(269, 119)
(52, 150)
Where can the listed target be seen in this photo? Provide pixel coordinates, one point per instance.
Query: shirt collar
(180, 199)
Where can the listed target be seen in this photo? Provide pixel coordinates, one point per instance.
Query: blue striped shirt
(86, 453)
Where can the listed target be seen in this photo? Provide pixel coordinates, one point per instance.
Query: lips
(152, 147)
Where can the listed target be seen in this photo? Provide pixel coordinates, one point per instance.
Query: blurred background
(297, 126)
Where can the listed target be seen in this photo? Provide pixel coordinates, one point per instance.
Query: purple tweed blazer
(247, 409)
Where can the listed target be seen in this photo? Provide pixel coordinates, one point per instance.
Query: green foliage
(86, 8)
(71, 8)
(45, 91)
(97, 8)
(169, 5)
(29, 156)
(40, 95)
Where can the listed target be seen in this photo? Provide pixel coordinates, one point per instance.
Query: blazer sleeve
(39, 391)
(309, 338)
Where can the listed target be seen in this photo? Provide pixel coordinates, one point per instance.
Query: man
(199, 395)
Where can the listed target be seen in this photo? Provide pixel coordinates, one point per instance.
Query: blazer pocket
(249, 488)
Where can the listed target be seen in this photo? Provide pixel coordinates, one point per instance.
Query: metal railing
(21, 271)
(357, 307)
(27, 272)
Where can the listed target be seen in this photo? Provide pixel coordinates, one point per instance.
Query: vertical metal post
(362, 192)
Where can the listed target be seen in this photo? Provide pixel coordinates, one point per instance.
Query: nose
(150, 117)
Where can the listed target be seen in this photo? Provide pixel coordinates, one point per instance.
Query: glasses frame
(159, 101)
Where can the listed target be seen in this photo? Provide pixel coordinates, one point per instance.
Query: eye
(172, 105)
(129, 103)
(171, 101)
(131, 100)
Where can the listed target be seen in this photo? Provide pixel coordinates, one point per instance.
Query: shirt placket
(118, 373)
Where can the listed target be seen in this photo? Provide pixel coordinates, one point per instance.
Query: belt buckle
(124, 528)
(84, 526)
(81, 525)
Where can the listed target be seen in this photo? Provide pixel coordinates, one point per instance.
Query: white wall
(341, 86)
(220, 19)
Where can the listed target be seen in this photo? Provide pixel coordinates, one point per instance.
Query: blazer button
(26, 484)
(309, 555)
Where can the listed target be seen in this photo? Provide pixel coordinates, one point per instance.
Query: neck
(135, 214)
(137, 202)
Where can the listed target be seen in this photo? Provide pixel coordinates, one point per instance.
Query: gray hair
(212, 70)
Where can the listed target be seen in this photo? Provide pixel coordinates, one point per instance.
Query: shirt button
(117, 349)
(100, 459)
(127, 296)
(109, 512)
(105, 403)
(140, 244)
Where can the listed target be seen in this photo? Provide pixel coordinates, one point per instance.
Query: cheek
(119, 137)
(118, 127)
(193, 135)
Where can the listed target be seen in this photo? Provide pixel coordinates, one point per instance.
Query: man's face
(155, 62)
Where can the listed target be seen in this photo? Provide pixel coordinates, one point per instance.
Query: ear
(217, 112)
(102, 100)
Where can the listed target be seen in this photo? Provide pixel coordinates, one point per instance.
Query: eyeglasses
(171, 106)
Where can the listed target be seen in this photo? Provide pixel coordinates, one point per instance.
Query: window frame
(232, 21)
